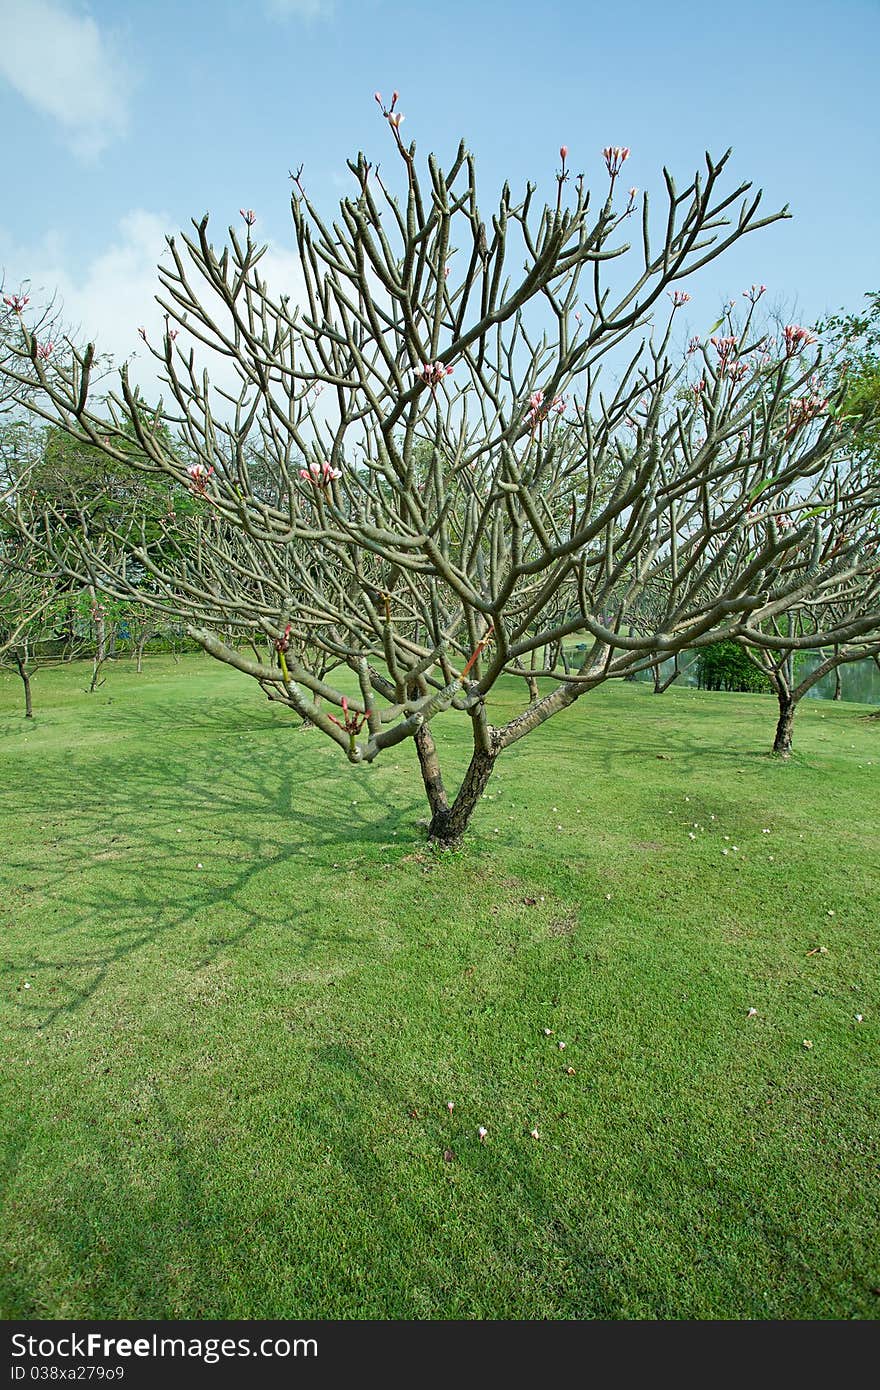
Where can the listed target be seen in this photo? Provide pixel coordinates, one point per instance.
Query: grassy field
(238, 992)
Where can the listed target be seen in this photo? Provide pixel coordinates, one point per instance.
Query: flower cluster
(249, 215)
(351, 722)
(693, 345)
(801, 411)
(198, 478)
(538, 410)
(16, 302)
(726, 348)
(754, 293)
(432, 373)
(320, 474)
(615, 156)
(282, 643)
(678, 298)
(393, 117)
(45, 350)
(796, 339)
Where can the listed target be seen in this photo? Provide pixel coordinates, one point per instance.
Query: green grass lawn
(238, 992)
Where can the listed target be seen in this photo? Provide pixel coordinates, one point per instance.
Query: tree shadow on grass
(135, 844)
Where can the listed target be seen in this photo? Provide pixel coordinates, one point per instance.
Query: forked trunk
(449, 822)
(783, 740)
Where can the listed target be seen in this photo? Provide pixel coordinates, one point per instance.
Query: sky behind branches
(122, 119)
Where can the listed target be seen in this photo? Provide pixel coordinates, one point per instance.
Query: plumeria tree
(418, 473)
(792, 678)
(32, 599)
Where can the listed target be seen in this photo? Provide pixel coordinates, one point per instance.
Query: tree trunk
(448, 823)
(432, 777)
(838, 685)
(26, 681)
(97, 663)
(782, 741)
(140, 655)
(534, 693)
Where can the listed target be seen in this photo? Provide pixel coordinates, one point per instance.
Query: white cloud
(112, 295)
(63, 65)
(300, 9)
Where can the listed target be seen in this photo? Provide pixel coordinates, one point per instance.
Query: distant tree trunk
(139, 651)
(534, 693)
(26, 680)
(783, 741)
(99, 618)
(69, 630)
(838, 683)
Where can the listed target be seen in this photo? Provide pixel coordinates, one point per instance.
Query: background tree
(443, 485)
(854, 351)
(788, 676)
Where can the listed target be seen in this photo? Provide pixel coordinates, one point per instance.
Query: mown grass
(238, 992)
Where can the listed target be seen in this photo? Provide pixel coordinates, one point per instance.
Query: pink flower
(282, 643)
(377, 97)
(754, 293)
(45, 350)
(450, 1106)
(678, 298)
(804, 409)
(249, 215)
(693, 345)
(796, 339)
(198, 477)
(699, 386)
(395, 118)
(432, 373)
(16, 302)
(320, 474)
(615, 156)
(559, 404)
(725, 347)
(563, 152)
(537, 410)
(482, 1132)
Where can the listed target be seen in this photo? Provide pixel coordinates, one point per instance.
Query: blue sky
(121, 120)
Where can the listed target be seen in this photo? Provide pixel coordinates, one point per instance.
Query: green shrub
(725, 666)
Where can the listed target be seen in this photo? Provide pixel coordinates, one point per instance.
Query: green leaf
(762, 487)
